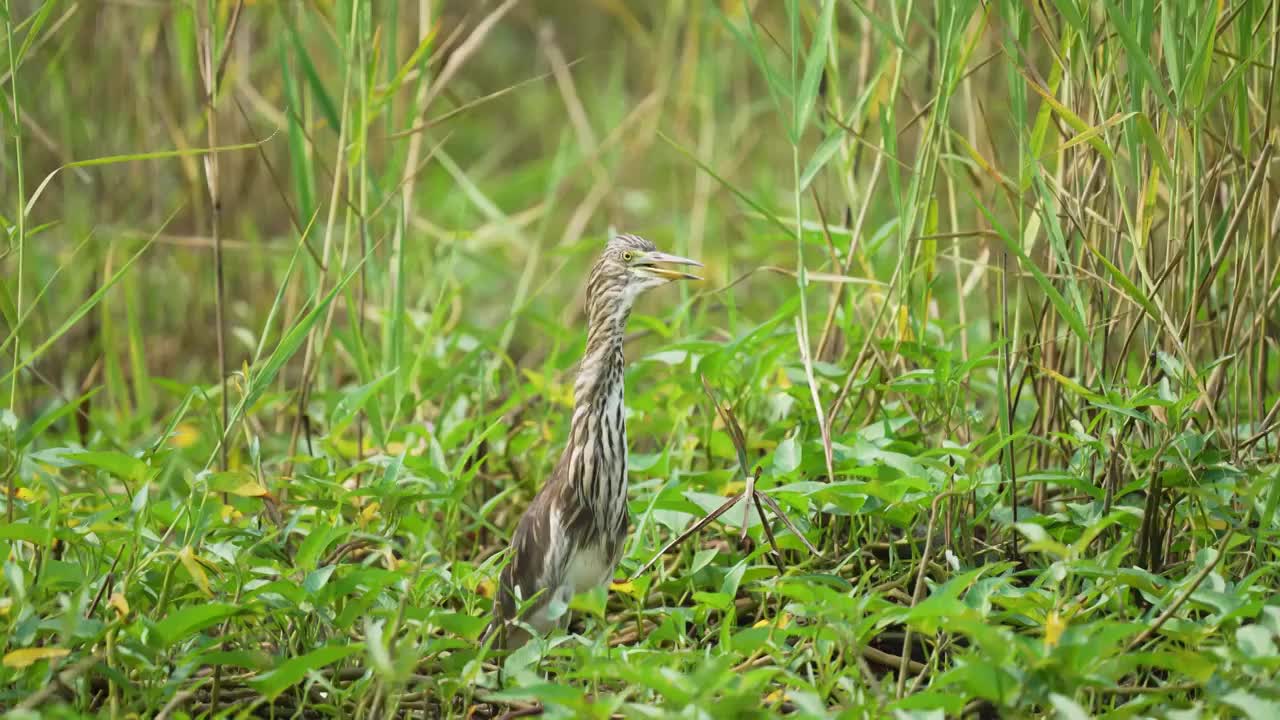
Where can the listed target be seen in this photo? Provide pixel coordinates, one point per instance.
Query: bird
(570, 538)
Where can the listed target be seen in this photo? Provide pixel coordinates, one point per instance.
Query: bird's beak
(652, 264)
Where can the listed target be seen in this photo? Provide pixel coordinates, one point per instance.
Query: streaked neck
(600, 373)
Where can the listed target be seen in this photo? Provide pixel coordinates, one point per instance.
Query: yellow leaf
(626, 587)
(188, 558)
(775, 696)
(249, 488)
(1053, 627)
(5, 605)
(904, 329)
(1070, 384)
(784, 382)
(389, 559)
(783, 621)
(486, 588)
(25, 494)
(369, 513)
(230, 514)
(29, 656)
(184, 436)
(121, 605)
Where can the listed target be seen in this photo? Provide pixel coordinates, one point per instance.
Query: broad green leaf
(1067, 709)
(294, 670)
(34, 534)
(185, 622)
(115, 463)
(353, 401)
(786, 457)
(316, 541)
(317, 579)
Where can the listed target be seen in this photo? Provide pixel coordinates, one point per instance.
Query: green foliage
(989, 312)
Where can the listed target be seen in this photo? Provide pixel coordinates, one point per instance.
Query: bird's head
(629, 266)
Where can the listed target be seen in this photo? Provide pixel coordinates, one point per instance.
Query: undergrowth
(292, 299)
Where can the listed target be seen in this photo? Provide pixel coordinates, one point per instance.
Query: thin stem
(21, 241)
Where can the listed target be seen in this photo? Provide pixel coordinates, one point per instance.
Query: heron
(570, 538)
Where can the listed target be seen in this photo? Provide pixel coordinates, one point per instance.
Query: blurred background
(558, 122)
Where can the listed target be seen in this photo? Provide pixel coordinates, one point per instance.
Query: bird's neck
(596, 455)
(600, 373)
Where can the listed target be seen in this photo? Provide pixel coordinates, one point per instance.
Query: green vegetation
(991, 314)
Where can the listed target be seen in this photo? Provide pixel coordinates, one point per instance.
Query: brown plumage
(570, 538)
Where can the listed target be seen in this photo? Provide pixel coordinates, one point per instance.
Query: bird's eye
(628, 255)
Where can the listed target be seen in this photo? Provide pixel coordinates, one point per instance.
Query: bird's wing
(537, 556)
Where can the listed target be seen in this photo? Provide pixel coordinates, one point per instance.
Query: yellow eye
(627, 255)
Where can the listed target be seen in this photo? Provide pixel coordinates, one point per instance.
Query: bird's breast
(590, 565)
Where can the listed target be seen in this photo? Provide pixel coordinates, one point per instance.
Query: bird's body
(570, 539)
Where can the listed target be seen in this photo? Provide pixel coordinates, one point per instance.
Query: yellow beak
(651, 263)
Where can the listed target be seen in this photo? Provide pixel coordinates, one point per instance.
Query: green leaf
(1136, 56)
(548, 693)
(772, 217)
(35, 23)
(323, 99)
(755, 47)
(1253, 706)
(461, 624)
(354, 400)
(1059, 302)
(820, 158)
(786, 457)
(33, 534)
(51, 416)
(1255, 641)
(316, 541)
(299, 159)
(393, 86)
(1130, 289)
(317, 579)
(289, 344)
(183, 623)
(701, 559)
(82, 309)
(1067, 708)
(713, 600)
(814, 63)
(292, 671)
(116, 463)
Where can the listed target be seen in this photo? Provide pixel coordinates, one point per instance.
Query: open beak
(652, 264)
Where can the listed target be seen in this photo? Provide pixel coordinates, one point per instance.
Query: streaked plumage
(570, 539)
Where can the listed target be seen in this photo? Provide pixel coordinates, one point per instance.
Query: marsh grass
(291, 299)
